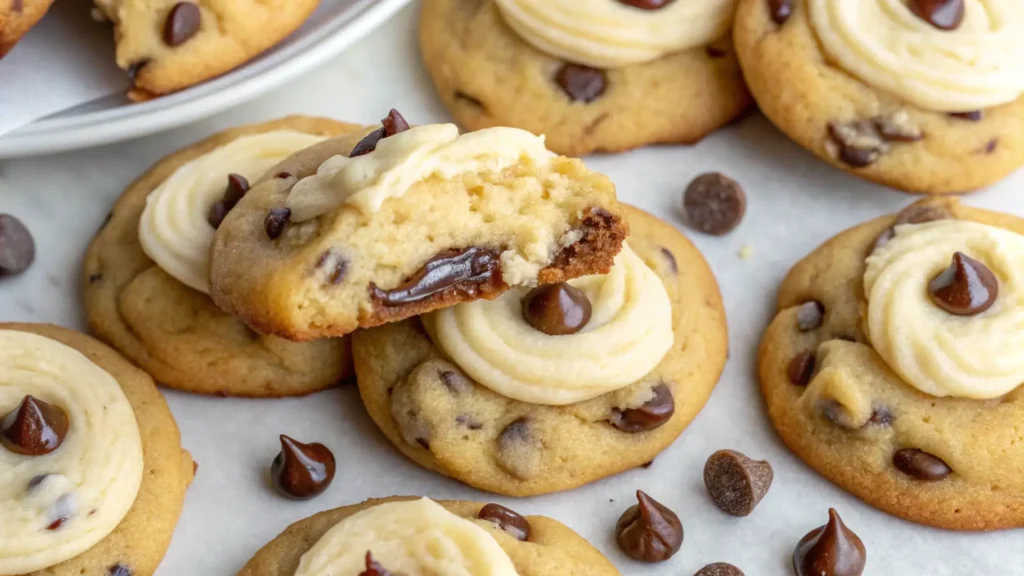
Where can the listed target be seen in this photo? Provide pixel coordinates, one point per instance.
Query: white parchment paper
(796, 203)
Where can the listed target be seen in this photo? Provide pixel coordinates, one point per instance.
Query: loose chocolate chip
(119, 570)
(302, 471)
(134, 69)
(423, 443)
(465, 270)
(650, 415)
(275, 222)
(897, 127)
(454, 382)
(557, 309)
(810, 316)
(920, 464)
(94, 278)
(182, 23)
(283, 175)
(374, 568)
(780, 10)
(737, 483)
(582, 83)
(943, 14)
(830, 550)
(966, 288)
(719, 569)
(17, 248)
(671, 259)
(648, 531)
(714, 203)
(34, 428)
(394, 123)
(973, 115)
(801, 368)
(858, 144)
(647, 4)
(508, 520)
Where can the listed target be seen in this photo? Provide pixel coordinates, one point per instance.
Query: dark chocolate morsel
(120, 569)
(218, 212)
(134, 69)
(830, 550)
(714, 203)
(973, 115)
(801, 368)
(275, 222)
(374, 568)
(17, 248)
(301, 471)
(920, 465)
(943, 14)
(735, 482)
(464, 269)
(236, 189)
(780, 10)
(557, 309)
(966, 288)
(648, 531)
(913, 214)
(582, 83)
(506, 519)
(647, 4)
(34, 428)
(182, 23)
(810, 316)
(673, 265)
(394, 123)
(648, 416)
(719, 569)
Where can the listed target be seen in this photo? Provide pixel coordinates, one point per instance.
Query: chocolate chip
(283, 175)
(780, 10)
(394, 123)
(830, 550)
(966, 288)
(134, 68)
(454, 382)
(367, 144)
(468, 421)
(236, 189)
(508, 520)
(973, 115)
(736, 483)
(920, 465)
(119, 570)
(719, 569)
(647, 4)
(218, 212)
(714, 203)
(470, 99)
(519, 449)
(465, 270)
(182, 23)
(857, 144)
(671, 259)
(34, 428)
(810, 316)
(336, 266)
(582, 83)
(275, 222)
(801, 368)
(557, 309)
(650, 415)
(374, 568)
(897, 127)
(301, 471)
(648, 531)
(943, 14)
(913, 214)
(17, 248)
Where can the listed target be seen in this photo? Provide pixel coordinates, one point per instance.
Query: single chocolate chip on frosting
(648, 531)
(780, 10)
(374, 568)
(913, 214)
(557, 309)
(737, 483)
(506, 519)
(391, 125)
(302, 471)
(719, 569)
(17, 248)
(966, 288)
(649, 415)
(943, 14)
(830, 550)
(34, 428)
(182, 23)
(582, 83)
(647, 4)
(920, 465)
(714, 203)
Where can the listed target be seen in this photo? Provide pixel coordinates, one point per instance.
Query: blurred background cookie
(16, 18)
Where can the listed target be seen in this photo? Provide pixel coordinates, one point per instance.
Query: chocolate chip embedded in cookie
(419, 219)
(34, 428)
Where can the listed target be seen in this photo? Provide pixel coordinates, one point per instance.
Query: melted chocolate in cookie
(465, 270)
(972, 115)
(920, 465)
(182, 23)
(830, 550)
(17, 248)
(275, 222)
(966, 288)
(719, 569)
(236, 189)
(557, 309)
(650, 415)
(714, 203)
(302, 471)
(507, 520)
(801, 368)
(34, 428)
(648, 531)
(780, 10)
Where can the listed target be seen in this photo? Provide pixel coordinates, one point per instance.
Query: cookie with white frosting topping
(94, 473)
(894, 368)
(467, 538)
(549, 389)
(146, 272)
(392, 222)
(591, 75)
(923, 96)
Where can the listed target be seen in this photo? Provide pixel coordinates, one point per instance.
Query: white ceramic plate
(335, 26)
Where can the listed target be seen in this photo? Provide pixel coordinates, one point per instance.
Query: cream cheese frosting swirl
(629, 332)
(406, 158)
(90, 481)
(979, 64)
(979, 356)
(175, 231)
(612, 34)
(416, 537)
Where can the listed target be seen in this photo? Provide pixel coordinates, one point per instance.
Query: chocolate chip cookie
(652, 72)
(166, 46)
(66, 378)
(514, 544)
(567, 401)
(893, 365)
(395, 221)
(161, 319)
(896, 94)
(18, 17)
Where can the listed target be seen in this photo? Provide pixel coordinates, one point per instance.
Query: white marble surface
(796, 203)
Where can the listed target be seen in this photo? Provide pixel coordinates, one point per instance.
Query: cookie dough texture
(317, 278)
(178, 334)
(445, 422)
(16, 18)
(802, 93)
(855, 413)
(552, 549)
(230, 33)
(141, 539)
(487, 76)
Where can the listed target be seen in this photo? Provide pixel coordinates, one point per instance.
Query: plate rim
(204, 100)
